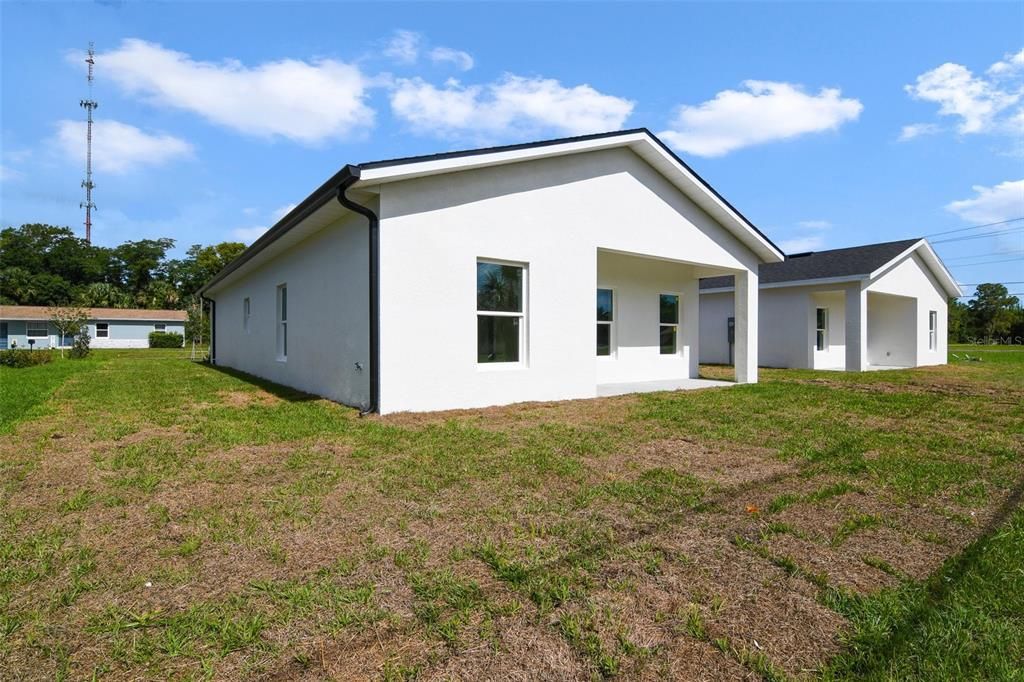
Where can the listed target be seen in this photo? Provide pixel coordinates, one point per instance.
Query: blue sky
(827, 124)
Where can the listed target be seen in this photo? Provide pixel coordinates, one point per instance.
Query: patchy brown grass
(565, 540)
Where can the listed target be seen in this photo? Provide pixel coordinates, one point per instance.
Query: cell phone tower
(89, 105)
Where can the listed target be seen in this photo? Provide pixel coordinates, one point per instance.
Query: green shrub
(80, 348)
(166, 340)
(23, 357)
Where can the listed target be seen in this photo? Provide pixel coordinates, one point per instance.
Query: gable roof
(640, 140)
(855, 262)
(38, 312)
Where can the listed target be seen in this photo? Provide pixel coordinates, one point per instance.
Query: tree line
(46, 265)
(991, 316)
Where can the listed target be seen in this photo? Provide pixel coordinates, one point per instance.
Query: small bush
(22, 357)
(166, 340)
(80, 348)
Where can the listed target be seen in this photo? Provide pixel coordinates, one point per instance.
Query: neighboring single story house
(866, 307)
(545, 271)
(108, 327)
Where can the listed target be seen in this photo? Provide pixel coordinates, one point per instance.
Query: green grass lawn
(161, 519)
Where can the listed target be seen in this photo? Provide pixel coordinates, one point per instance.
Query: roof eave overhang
(845, 279)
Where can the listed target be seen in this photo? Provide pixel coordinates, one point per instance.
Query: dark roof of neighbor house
(848, 262)
(38, 312)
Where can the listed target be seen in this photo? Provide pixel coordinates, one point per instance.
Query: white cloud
(1012, 61)
(909, 132)
(802, 244)
(250, 211)
(815, 224)
(118, 147)
(766, 111)
(512, 104)
(462, 60)
(282, 211)
(303, 101)
(1004, 201)
(958, 92)
(248, 235)
(404, 46)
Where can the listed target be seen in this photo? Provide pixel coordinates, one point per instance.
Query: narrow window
(245, 315)
(605, 318)
(668, 329)
(282, 322)
(500, 317)
(933, 329)
(36, 330)
(102, 330)
(821, 329)
(160, 327)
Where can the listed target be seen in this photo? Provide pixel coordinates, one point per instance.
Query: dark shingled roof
(849, 262)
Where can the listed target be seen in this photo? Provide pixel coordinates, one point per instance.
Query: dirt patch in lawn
(246, 398)
(729, 467)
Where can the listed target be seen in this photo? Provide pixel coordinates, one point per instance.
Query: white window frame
(521, 363)
(282, 322)
(933, 330)
(159, 327)
(679, 317)
(246, 311)
(105, 331)
(824, 345)
(613, 346)
(44, 326)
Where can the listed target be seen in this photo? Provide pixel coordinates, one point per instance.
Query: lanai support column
(746, 328)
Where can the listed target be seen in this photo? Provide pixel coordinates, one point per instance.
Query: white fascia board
(641, 144)
(934, 263)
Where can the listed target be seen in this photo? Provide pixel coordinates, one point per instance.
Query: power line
(978, 284)
(975, 294)
(975, 227)
(994, 233)
(984, 255)
(990, 262)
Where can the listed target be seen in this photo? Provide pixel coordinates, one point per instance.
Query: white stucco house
(867, 307)
(545, 271)
(25, 326)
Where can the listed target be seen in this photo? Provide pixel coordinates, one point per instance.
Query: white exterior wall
(636, 352)
(892, 331)
(328, 333)
(834, 356)
(715, 311)
(896, 323)
(552, 215)
(912, 278)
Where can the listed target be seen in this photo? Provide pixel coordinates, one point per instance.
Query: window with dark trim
(821, 329)
(282, 322)
(500, 312)
(668, 323)
(605, 321)
(37, 330)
